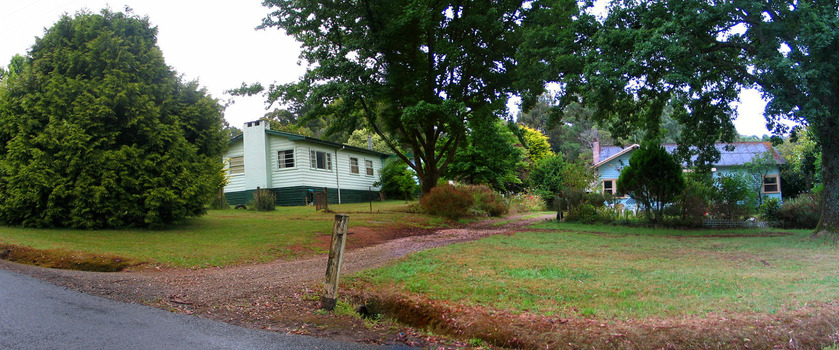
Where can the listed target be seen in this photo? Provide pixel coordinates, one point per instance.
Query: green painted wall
(292, 196)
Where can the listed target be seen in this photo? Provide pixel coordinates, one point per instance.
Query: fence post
(333, 267)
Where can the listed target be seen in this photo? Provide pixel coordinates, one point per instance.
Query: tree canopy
(414, 70)
(99, 132)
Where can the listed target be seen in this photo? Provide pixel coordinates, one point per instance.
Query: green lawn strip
(649, 231)
(220, 238)
(620, 276)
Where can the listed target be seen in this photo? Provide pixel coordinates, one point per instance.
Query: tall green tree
(490, 156)
(99, 132)
(697, 55)
(653, 178)
(415, 70)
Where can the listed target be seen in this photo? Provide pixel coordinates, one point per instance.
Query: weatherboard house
(610, 160)
(294, 166)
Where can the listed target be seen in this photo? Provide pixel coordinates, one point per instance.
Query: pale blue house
(294, 166)
(610, 160)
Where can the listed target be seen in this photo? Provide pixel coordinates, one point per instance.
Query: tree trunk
(829, 221)
(428, 180)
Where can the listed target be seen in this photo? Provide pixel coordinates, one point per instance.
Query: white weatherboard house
(610, 160)
(291, 165)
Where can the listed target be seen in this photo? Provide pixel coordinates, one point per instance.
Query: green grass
(220, 238)
(618, 272)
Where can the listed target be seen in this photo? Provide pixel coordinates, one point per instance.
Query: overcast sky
(215, 42)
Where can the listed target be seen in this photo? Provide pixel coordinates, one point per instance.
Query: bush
(801, 211)
(770, 208)
(398, 181)
(486, 201)
(263, 200)
(447, 201)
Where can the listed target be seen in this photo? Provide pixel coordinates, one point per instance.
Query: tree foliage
(653, 178)
(414, 70)
(697, 55)
(490, 156)
(99, 132)
(397, 180)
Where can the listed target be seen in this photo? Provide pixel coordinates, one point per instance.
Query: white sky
(215, 42)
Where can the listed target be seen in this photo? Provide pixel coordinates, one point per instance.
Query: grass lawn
(220, 238)
(609, 272)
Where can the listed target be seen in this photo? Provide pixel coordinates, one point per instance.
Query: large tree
(415, 70)
(696, 55)
(99, 132)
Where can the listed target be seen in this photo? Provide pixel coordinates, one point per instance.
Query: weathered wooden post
(333, 267)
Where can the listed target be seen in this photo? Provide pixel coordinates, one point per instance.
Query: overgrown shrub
(263, 200)
(801, 211)
(694, 202)
(447, 201)
(734, 198)
(486, 200)
(398, 180)
(770, 208)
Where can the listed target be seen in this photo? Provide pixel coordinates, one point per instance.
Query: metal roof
(296, 137)
(742, 152)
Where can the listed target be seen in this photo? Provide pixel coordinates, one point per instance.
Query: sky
(216, 43)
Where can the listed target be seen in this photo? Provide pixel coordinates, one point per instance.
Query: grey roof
(743, 152)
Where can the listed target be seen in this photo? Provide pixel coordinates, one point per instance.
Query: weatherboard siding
(235, 182)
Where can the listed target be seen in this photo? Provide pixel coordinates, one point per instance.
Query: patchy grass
(614, 274)
(68, 260)
(220, 238)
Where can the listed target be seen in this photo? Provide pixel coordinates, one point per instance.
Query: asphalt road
(39, 315)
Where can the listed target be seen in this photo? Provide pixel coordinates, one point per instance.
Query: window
(285, 159)
(321, 160)
(610, 186)
(237, 165)
(369, 165)
(353, 165)
(771, 184)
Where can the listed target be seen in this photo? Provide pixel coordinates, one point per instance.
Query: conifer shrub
(447, 201)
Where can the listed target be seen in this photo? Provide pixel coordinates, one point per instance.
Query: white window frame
(368, 165)
(327, 160)
(354, 165)
(236, 165)
(283, 159)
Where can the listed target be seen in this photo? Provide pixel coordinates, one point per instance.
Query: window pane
(354, 165)
(285, 159)
(237, 165)
(369, 165)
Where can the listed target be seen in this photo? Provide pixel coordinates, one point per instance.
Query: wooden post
(333, 267)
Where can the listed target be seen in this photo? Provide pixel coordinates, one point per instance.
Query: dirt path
(280, 295)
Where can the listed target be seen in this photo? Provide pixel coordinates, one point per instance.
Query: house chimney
(595, 150)
(370, 142)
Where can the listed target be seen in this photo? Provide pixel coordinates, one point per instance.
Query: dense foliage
(653, 178)
(490, 156)
(99, 132)
(413, 70)
(447, 201)
(398, 181)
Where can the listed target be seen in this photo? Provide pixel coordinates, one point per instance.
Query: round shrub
(486, 201)
(447, 201)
